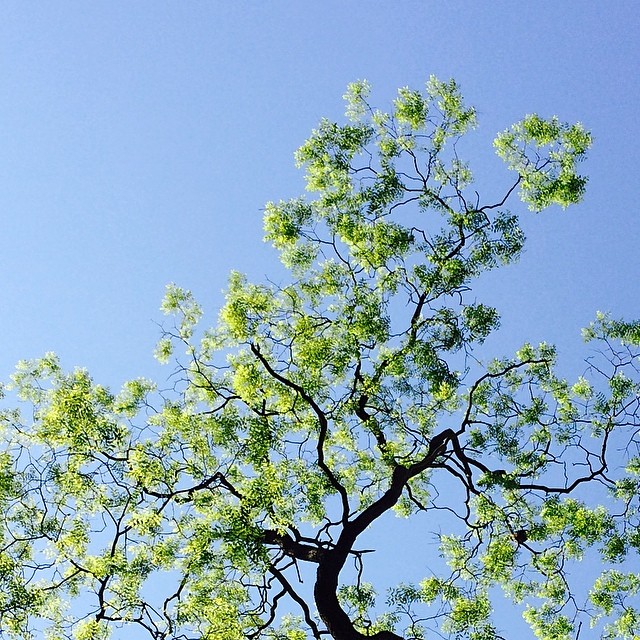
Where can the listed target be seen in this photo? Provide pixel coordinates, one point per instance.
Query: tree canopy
(232, 505)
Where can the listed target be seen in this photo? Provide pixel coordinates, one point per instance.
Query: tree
(233, 504)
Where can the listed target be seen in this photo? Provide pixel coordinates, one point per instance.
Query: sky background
(139, 142)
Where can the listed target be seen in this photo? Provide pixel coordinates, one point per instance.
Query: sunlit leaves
(181, 304)
(215, 617)
(606, 327)
(163, 350)
(91, 630)
(480, 320)
(584, 526)
(546, 624)
(327, 154)
(499, 559)
(356, 99)
(246, 304)
(610, 595)
(284, 221)
(411, 108)
(449, 100)
(551, 178)
(469, 614)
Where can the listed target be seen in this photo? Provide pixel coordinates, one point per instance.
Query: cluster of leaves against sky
(231, 505)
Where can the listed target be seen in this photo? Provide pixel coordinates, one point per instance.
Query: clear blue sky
(140, 141)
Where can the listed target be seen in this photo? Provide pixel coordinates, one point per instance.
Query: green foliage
(604, 327)
(548, 178)
(232, 505)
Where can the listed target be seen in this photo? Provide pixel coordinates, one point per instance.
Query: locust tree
(233, 504)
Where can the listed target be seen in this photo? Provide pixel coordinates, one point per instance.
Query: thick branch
(294, 548)
(325, 591)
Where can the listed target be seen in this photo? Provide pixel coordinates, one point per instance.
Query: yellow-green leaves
(327, 156)
(76, 414)
(91, 630)
(181, 304)
(284, 221)
(163, 350)
(450, 102)
(605, 327)
(29, 372)
(411, 108)
(480, 320)
(356, 99)
(582, 389)
(499, 559)
(246, 306)
(133, 395)
(545, 154)
(9, 478)
(582, 525)
(547, 624)
(611, 594)
(469, 614)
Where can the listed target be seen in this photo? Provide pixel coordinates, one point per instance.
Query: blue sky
(140, 142)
